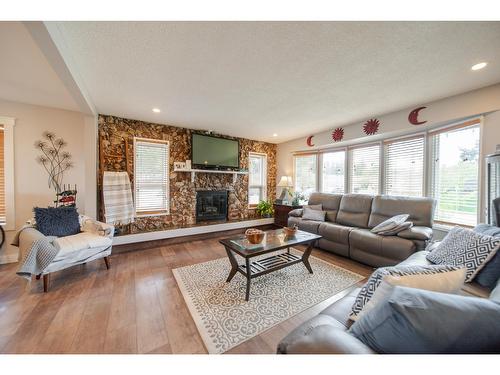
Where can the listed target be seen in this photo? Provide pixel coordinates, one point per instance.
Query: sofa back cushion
(330, 203)
(421, 210)
(355, 210)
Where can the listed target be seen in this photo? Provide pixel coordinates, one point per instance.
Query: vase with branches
(54, 159)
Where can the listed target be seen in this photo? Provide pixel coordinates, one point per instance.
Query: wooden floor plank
(135, 307)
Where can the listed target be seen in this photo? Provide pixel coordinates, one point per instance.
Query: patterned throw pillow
(390, 224)
(367, 291)
(464, 247)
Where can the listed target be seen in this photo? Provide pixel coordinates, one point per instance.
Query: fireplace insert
(211, 205)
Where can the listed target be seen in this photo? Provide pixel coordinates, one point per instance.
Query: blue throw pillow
(490, 273)
(412, 320)
(60, 222)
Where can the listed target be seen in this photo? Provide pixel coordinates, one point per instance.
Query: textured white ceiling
(25, 74)
(253, 79)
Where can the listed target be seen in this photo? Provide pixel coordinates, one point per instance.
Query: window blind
(2, 179)
(454, 174)
(364, 169)
(333, 172)
(151, 171)
(404, 167)
(257, 178)
(306, 173)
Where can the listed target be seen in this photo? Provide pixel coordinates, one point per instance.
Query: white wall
(31, 188)
(483, 101)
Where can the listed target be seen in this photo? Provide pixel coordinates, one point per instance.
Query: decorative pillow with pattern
(464, 247)
(368, 290)
(390, 223)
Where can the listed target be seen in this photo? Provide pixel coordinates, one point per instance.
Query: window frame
(427, 167)
(403, 138)
(316, 155)
(9, 172)
(167, 190)
(465, 123)
(380, 165)
(320, 168)
(264, 177)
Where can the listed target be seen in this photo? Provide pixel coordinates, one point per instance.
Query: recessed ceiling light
(478, 66)
(275, 135)
(156, 110)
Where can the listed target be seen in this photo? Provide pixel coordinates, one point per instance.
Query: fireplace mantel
(194, 171)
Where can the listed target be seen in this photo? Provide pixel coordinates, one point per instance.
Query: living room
(249, 187)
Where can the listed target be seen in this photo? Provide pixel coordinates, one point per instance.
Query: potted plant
(265, 209)
(296, 198)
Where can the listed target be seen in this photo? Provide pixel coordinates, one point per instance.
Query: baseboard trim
(6, 259)
(181, 232)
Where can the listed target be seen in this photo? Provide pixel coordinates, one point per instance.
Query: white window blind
(364, 169)
(404, 167)
(306, 169)
(333, 172)
(2, 179)
(454, 174)
(151, 172)
(257, 187)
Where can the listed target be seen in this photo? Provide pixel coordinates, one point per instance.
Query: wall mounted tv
(211, 152)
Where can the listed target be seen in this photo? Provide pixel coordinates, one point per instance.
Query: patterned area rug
(223, 317)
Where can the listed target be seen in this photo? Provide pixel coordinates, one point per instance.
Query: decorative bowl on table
(254, 236)
(289, 231)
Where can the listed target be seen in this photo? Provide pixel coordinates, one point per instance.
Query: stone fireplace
(211, 205)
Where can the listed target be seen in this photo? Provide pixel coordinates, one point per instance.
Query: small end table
(281, 213)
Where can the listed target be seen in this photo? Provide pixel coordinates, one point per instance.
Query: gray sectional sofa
(349, 218)
(328, 332)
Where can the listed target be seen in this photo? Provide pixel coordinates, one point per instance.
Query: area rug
(223, 317)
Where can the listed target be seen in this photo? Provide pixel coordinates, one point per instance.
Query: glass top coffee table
(274, 240)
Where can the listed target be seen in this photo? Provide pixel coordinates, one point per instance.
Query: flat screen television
(210, 152)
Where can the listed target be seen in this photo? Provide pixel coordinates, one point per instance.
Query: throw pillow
(490, 273)
(366, 293)
(391, 223)
(316, 215)
(464, 247)
(419, 321)
(296, 213)
(401, 227)
(318, 207)
(447, 282)
(61, 221)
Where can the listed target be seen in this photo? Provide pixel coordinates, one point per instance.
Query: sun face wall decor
(309, 141)
(338, 134)
(371, 126)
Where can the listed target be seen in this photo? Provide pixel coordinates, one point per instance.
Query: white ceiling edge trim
(50, 41)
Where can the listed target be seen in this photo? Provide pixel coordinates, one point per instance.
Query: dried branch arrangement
(54, 159)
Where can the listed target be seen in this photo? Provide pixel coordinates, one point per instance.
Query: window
(151, 172)
(454, 174)
(7, 201)
(3, 215)
(257, 177)
(365, 169)
(404, 166)
(333, 172)
(306, 167)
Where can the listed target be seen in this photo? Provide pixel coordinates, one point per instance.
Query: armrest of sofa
(416, 233)
(296, 213)
(87, 224)
(324, 339)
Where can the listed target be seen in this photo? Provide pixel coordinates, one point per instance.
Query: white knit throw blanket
(118, 203)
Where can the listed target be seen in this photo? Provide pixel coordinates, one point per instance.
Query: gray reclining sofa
(350, 217)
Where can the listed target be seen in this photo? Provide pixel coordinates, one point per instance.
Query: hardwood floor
(134, 307)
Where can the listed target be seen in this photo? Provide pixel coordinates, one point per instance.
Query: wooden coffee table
(274, 240)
